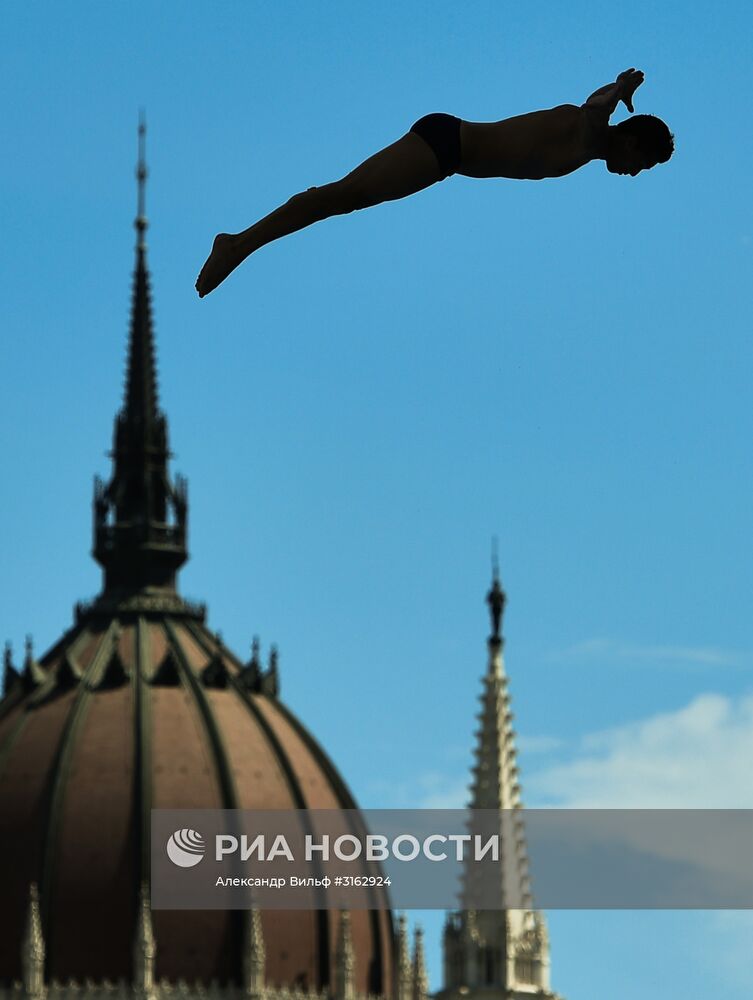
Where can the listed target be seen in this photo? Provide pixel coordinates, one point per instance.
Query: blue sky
(564, 364)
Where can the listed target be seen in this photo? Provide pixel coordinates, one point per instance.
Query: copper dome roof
(141, 710)
(141, 706)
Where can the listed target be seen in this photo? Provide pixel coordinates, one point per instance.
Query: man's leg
(399, 170)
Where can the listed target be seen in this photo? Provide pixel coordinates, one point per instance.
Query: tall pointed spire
(141, 402)
(506, 949)
(140, 516)
(495, 784)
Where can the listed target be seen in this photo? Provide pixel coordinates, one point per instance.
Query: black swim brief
(442, 133)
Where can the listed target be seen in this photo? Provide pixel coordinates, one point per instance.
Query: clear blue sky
(565, 364)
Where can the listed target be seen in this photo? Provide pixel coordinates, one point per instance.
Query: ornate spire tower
(501, 953)
(140, 706)
(140, 516)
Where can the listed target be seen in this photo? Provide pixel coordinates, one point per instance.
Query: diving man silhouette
(533, 146)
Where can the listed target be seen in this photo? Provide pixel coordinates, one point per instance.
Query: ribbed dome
(140, 706)
(140, 710)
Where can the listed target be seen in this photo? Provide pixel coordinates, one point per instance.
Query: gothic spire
(140, 516)
(495, 774)
(141, 402)
(504, 948)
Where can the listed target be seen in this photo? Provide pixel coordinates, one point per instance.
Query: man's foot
(224, 258)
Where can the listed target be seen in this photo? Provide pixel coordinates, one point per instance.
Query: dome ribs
(380, 895)
(191, 681)
(207, 645)
(324, 916)
(60, 769)
(238, 918)
(9, 735)
(112, 673)
(159, 649)
(142, 771)
(142, 641)
(67, 674)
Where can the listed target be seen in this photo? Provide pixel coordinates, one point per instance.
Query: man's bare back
(529, 147)
(532, 146)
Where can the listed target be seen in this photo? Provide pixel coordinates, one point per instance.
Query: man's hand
(607, 98)
(629, 82)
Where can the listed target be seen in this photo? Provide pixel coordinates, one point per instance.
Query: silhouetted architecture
(140, 705)
(140, 516)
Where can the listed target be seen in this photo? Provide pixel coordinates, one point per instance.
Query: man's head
(637, 144)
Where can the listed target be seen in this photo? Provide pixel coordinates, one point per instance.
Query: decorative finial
(9, 675)
(254, 957)
(496, 597)
(270, 682)
(345, 961)
(141, 175)
(33, 674)
(420, 977)
(33, 948)
(404, 965)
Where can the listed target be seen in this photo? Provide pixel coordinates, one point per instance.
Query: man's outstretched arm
(607, 98)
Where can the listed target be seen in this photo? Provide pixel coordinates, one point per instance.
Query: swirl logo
(185, 848)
